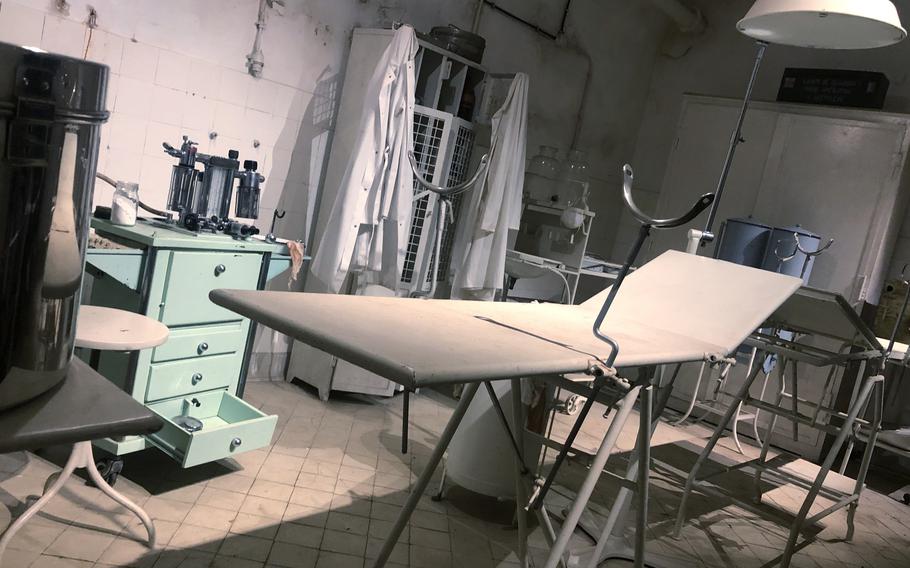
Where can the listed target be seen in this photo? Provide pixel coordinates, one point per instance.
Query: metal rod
(598, 384)
(846, 430)
(405, 413)
(644, 470)
(505, 424)
(522, 470)
(417, 492)
(709, 447)
(587, 486)
(734, 142)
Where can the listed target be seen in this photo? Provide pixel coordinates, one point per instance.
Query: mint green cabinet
(200, 371)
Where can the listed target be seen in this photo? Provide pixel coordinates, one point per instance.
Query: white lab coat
(368, 224)
(494, 205)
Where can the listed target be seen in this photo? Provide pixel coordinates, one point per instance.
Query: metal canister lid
(61, 88)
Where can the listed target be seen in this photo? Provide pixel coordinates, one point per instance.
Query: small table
(83, 407)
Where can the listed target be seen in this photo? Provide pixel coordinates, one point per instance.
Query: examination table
(677, 308)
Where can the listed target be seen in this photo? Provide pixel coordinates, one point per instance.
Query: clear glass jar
(541, 177)
(573, 181)
(125, 205)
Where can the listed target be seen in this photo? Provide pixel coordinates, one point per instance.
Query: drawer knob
(197, 377)
(220, 269)
(236, 442)
(203, 347)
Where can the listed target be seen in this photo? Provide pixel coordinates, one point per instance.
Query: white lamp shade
(824, 24)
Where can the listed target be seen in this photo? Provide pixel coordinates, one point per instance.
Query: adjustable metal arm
(799, 247)
(446, 191)
(647, 223)
(629, 176)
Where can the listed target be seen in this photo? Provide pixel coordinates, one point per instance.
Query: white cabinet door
(694, 167)
(838, 178)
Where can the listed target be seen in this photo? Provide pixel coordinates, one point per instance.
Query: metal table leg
(454, 421)
(405, 418)
(644, 470)
(590, 481)
(845, 430)
(706, 452)
(520, 496)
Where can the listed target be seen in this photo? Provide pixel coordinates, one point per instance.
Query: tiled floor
(326, 492)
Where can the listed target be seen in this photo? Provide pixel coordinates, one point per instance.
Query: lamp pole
(705, 236)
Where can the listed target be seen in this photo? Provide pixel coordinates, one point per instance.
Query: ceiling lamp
(822, 24)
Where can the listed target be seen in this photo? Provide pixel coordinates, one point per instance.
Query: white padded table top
(677, 308)
(109, 329)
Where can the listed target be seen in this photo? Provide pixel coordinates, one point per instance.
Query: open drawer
(229, 427)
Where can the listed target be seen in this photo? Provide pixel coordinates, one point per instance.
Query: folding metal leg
(769, 433)
(644, 470)
(522, 472)
(845, 430)
(877, 409)
(520, 496)
(597, 466)
(706, 452)
(454, 421)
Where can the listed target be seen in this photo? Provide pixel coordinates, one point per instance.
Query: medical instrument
(202, 199)
(846, 24)
(51, 115)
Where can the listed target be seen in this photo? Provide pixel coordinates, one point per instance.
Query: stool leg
(72, 463)
(88, 462)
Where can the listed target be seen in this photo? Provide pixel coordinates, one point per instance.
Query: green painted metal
(148, 234)
(191, 376)
(193, 274)
(124, 266)
(176, 273)
(201, 341)
(279, 264)
(230, 427)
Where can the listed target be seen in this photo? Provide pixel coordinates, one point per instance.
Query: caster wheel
(906, 499)
(110, 469)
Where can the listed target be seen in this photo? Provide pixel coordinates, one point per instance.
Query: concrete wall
(719, 64)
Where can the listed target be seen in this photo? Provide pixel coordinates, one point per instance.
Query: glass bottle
(542, 175)
(573, 181)
(125, 205)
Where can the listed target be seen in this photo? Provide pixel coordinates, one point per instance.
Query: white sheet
(677, 308)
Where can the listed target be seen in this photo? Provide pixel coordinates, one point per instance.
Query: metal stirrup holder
(647, 223)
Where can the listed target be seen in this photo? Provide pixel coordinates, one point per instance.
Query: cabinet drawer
(229, 427)
(192, 275)
(179, 378)
(201, 341)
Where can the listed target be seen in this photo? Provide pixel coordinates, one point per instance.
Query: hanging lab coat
(368, 224)
(495, 204)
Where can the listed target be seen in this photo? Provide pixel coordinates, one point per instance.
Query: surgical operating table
(677, 308)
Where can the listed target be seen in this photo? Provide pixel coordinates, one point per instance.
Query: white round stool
(110, 330)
